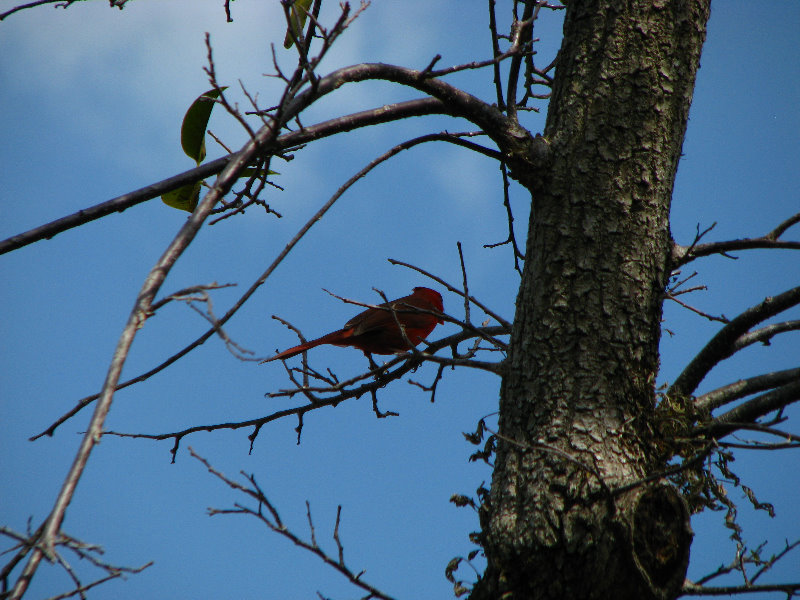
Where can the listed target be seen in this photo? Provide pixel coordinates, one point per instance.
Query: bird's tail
(335, 337)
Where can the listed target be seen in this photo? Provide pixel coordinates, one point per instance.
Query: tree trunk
(577, 397)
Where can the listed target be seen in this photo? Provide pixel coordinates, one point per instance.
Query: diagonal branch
(452, 101)
(382, 114)
(749, 411)
(765, 334)
(274, 523)
(455, 290)
(141, 311)
(136, 319)
(60, 3)
(727, 341)
(82, 403)
(691, 589)
(745, 387)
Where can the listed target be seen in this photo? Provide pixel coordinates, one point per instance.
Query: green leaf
(184, 198)
(193, 135)
(297, 18)
(195, 122)
(254, 171)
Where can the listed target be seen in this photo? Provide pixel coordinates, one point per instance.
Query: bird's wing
(377, 318)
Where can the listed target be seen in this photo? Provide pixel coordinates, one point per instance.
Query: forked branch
(449, 137)
(336, 392)
(272, 520)
(760, 406)
(682, 255)
(729, 340)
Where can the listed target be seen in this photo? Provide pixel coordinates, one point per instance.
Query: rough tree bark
(584, 350)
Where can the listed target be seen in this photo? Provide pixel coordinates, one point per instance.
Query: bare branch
(58, 3)
(453, 101)
(724, 343)
(138, 316)
(383, 114)
(780, 229)
(136, 319)
(691, 589)
(754, 445)
(342, 391)
(520, 40)
(790, 439)
(455, 290)
(752, 557)
(511, 239)
(749, 411)
(765, 334)
(459, 102)
(83, 550)
(498, 85)
(453, 138)
(710, 317)
(276, 525)
(118, 204)
(682, 254)
(744, 387)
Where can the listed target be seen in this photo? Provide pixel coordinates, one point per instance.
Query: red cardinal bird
(375, 330)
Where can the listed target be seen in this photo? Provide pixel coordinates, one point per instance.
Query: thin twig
(455, 290)
(724, 343)
(342, 391)
(682, 255)
(454, 138)
(58, 3)
(276, 525)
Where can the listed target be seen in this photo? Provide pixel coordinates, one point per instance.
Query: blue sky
(92, 103)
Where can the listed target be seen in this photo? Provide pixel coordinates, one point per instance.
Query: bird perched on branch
(375, 330)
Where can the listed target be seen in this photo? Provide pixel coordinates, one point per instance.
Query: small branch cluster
(741, 564)
(332, 391)
(521, 47)
(712, 424)
(272, 520)
(84, 551)
(682, 255)
(776, 390)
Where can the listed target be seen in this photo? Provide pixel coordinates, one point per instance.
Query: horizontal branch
(691, 589)
(790, 440)
(726, 341)
(382, 376)
(682, 255)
